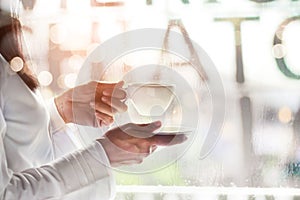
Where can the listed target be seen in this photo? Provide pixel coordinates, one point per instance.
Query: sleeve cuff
(56, 121)
(86, 167)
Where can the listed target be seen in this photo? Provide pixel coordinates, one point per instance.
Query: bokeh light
(16, 64)
(285, 115)
(70, 80)
(279, 51)
(45, 78)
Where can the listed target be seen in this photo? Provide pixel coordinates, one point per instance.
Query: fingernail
(121, 83)
(111, 120)
(108, 122)
(185, 138)
(158, 123)
(106, 93)
(105, 99)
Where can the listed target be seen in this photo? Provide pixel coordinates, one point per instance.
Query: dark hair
(11, 46)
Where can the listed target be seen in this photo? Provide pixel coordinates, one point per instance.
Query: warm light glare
(285, 115)
(45, 78)
(16, 64)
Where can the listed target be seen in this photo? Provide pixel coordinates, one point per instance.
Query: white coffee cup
(150, 99)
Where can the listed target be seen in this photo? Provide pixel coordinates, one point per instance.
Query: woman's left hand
(132, 143)
(92, 104)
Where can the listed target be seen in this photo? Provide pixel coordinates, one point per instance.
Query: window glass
(254, 46)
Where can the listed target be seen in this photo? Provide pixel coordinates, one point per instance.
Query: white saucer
(174, 130)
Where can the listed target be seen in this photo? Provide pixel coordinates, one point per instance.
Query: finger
(107, 120)
(100, 87)
(115, 103)
(147, 128)
(107, 87)
(118, 93)
(103, 85)
(167, 140)
(101, 123)
(115, 90)
(120, 84)
(103, 108)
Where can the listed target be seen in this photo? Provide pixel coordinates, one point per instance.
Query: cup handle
(125, 88)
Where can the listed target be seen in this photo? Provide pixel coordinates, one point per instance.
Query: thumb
(167, 140)
(120, 84)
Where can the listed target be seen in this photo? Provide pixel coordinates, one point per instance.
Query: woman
(26, 129)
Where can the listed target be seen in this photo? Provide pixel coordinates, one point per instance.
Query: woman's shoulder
(5, 69)
(3, 76)
(5, 72)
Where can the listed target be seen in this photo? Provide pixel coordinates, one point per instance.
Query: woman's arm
(57, 179)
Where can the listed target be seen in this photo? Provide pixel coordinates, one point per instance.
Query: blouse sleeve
(59, 179)
(56, 121)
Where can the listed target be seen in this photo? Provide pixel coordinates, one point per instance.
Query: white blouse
(27, 169)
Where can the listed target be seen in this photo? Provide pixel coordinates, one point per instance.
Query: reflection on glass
(261, 151)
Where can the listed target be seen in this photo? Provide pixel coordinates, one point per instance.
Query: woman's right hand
(131, 143)
(92, 104)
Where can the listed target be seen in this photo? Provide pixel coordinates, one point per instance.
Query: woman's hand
(92, 104)
(131, 143)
